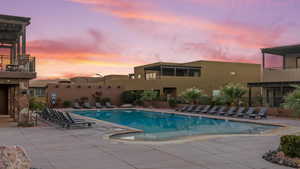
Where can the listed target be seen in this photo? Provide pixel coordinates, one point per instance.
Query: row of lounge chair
(242, 112)
(64, 119)
(87, 105)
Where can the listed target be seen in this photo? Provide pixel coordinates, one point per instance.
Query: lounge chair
(191, 108)
(213, 110)
(182, 108)
(229, 111)
(87, 105)
(78, 122)
(239, 111)
(245, 114)
(98, 105)
(205, 109)
(108, 105)
(76, 105)
(261, 114)
(198, 108)
(250, 112)
(221, 109)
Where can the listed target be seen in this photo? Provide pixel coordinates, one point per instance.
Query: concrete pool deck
(52, 147)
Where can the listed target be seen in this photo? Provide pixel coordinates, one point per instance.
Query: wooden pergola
(13, 36)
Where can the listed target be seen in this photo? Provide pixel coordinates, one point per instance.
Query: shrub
(34, 104)
(192, 95)
(232, 93)
(172, 102)
(149, 95)
(67, 103)
(290, 145)
(129, 97)
(292, 101)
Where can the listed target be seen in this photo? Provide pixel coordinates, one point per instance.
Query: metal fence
(25, 64)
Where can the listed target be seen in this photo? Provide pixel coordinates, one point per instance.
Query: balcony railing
(281, 75)
(24, 64)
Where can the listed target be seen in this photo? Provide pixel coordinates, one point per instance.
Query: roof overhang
(274, 84)
(159, 67)
(11, 27)
(282, 50)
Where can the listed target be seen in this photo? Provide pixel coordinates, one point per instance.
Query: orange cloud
(79, 56)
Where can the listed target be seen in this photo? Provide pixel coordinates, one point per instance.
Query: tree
(292, 100)
(130, 97)
(192, 95)
(149, 95)
(232, 93)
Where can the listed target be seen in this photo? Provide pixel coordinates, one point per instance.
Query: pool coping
(128, 130)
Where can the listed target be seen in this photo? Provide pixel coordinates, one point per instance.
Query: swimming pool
(159, 126)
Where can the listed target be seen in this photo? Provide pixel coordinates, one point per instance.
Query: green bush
(172, 102)
(292, 101)
(192, 95)
(232, 93)
(130, 97)
(290, 145)
(34, 104)
(67, 103)
(149, 95)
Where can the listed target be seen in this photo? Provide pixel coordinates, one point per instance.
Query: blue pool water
(166, 126)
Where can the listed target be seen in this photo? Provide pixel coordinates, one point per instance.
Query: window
(40, 92)
(150, 76)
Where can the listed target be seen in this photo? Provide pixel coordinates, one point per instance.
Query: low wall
(279, 112)
(71, 92)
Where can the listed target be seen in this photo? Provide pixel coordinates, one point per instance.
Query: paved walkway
(56, 148)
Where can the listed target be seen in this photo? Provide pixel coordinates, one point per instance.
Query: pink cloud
(244, 36)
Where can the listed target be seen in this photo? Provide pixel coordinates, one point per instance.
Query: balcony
(24, 68)
(281, 75)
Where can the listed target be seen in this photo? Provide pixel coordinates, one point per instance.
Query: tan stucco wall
(213, 76)
(71, 92)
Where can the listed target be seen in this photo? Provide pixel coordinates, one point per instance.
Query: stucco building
(280, 70)
(169, 79)
(17, 67)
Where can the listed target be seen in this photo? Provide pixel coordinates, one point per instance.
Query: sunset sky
(85, 37)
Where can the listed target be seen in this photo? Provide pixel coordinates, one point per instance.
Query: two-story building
(173, 78)
(17, 67)
(280, 70)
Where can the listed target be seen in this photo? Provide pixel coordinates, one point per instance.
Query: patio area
(51, 147)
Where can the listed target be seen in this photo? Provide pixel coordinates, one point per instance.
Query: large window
(39, 92)
(150, 76)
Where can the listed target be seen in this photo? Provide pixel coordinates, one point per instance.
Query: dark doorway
(3, 100)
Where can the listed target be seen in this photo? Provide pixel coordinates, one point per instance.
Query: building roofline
(282, 50)
(25, 20)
